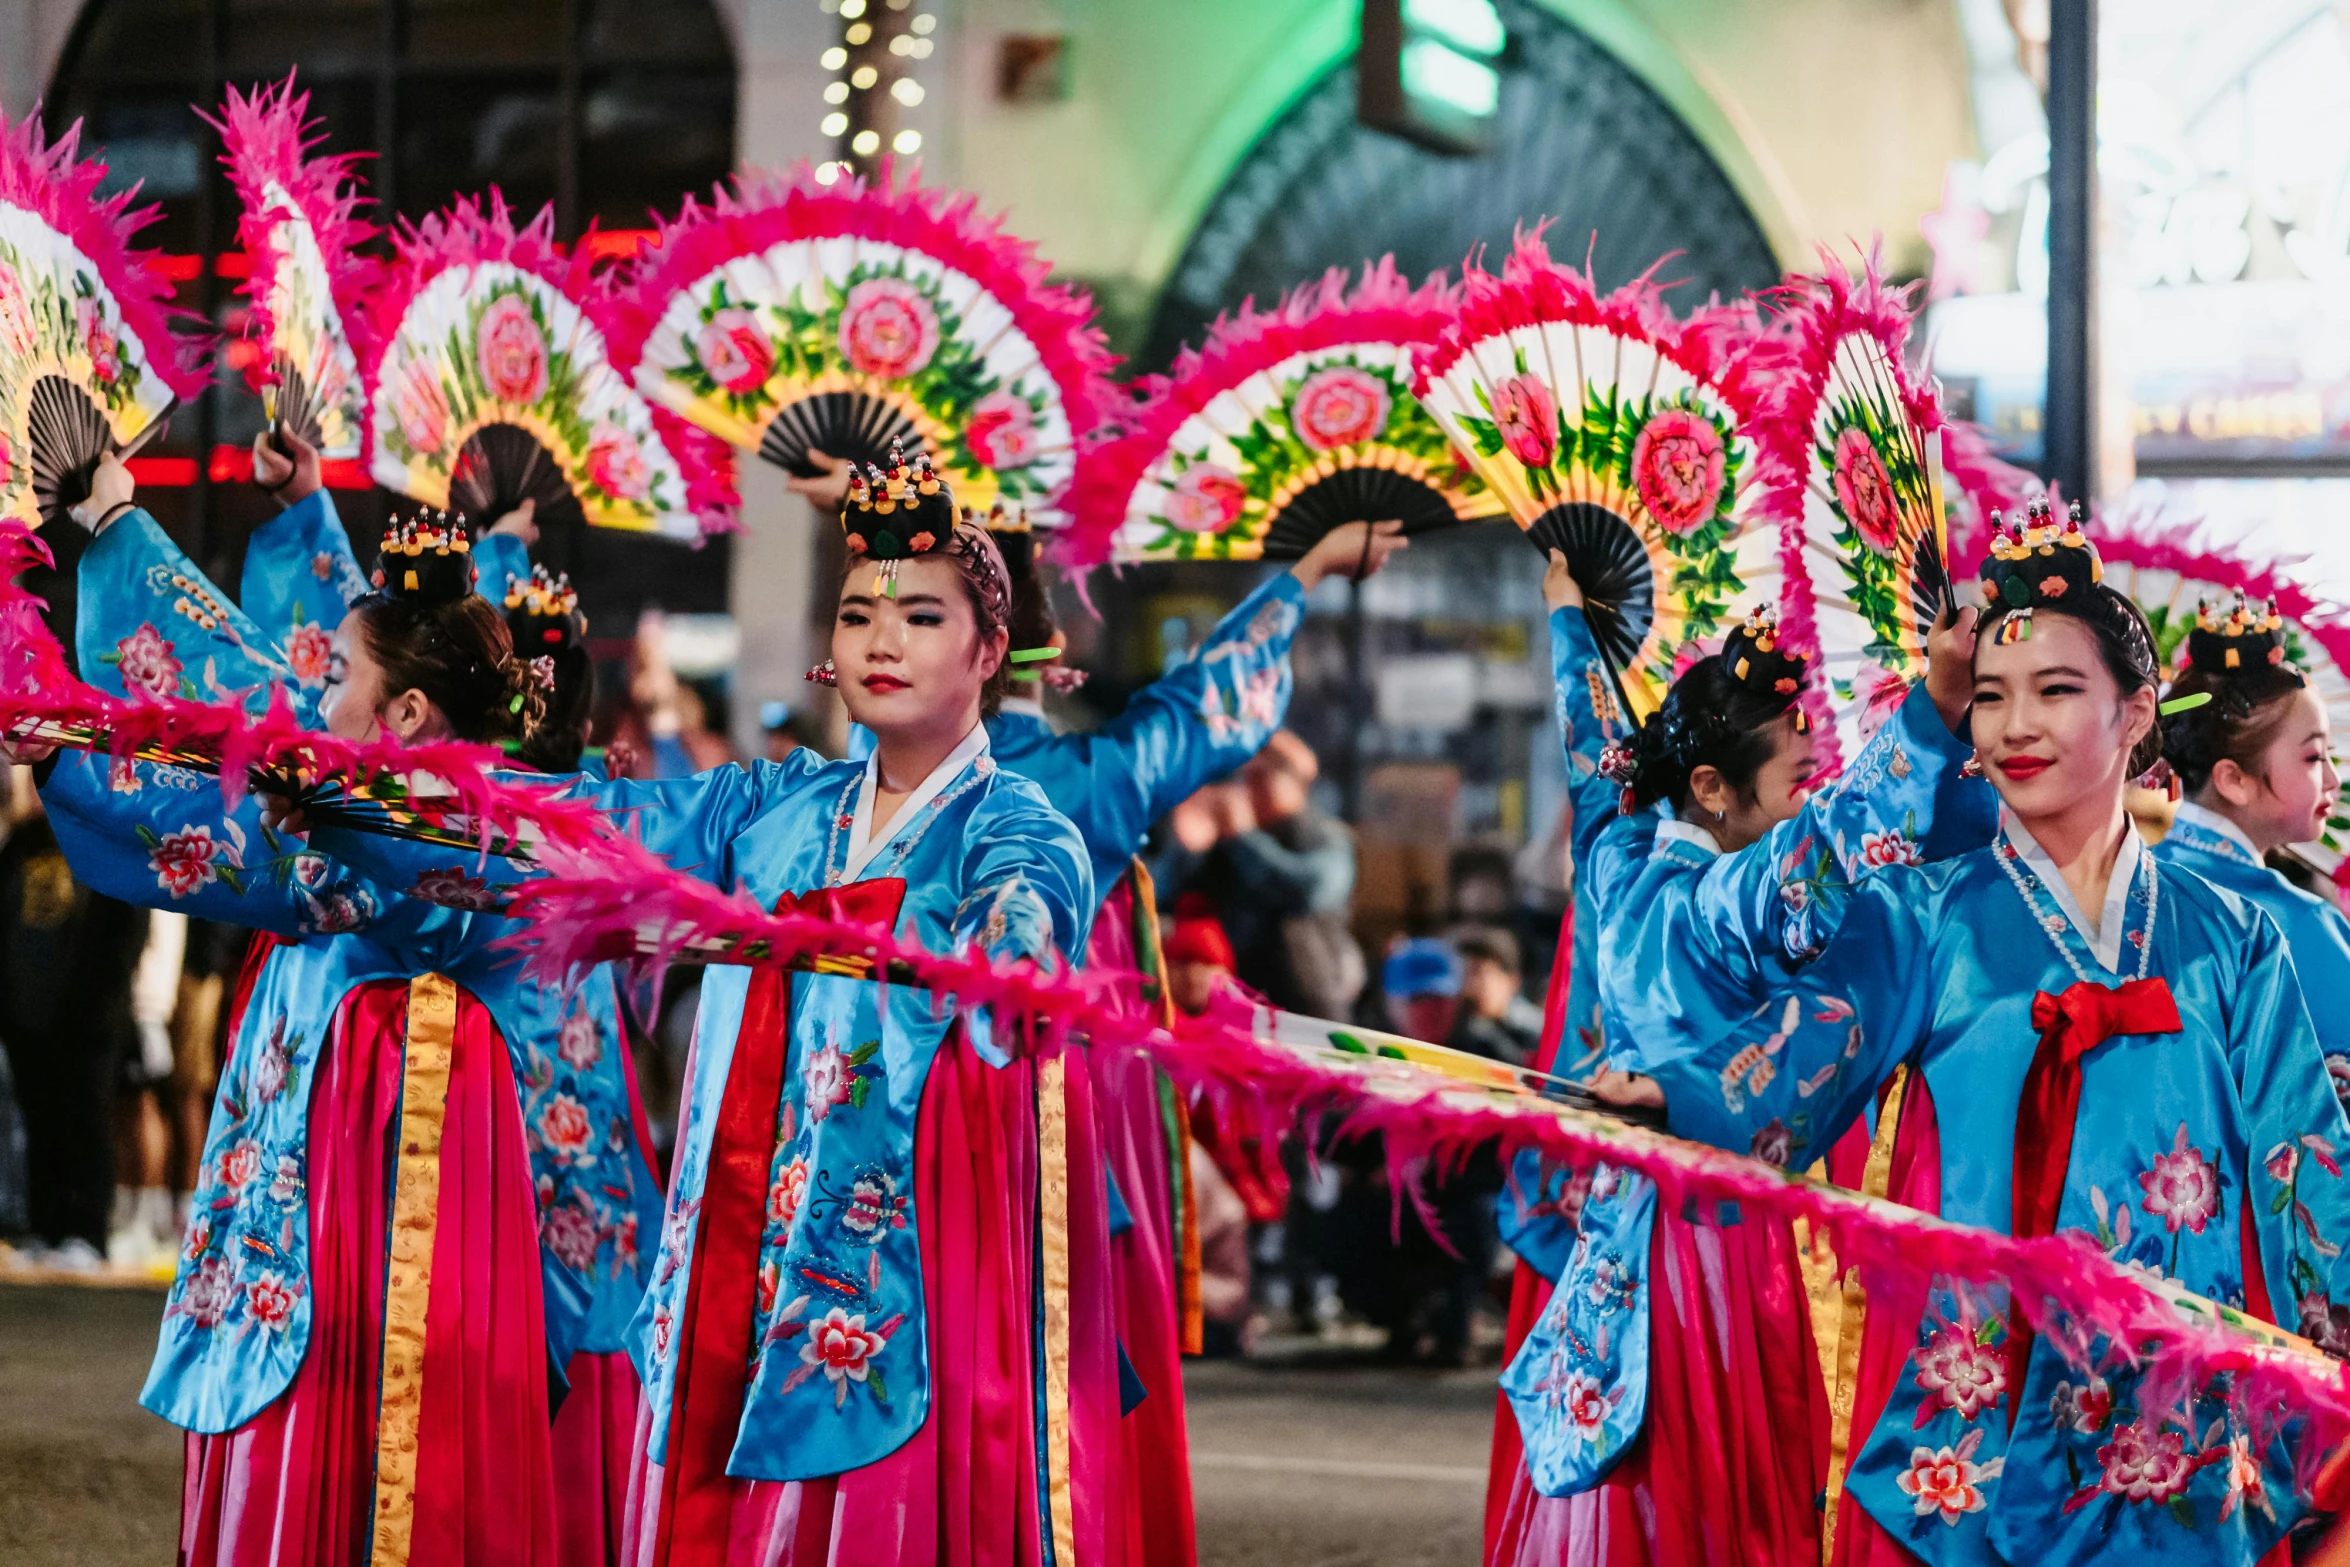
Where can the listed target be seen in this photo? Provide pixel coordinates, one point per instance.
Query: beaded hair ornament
(427, 558)
(1752, 656)
(2037, 566)
(905, 512)
(1015, 536)
(542, 611)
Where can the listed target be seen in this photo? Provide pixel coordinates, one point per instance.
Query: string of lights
(874, 82)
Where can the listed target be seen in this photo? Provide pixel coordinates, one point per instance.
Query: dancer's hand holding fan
(300, 228)
(1285, 425)
(791, 317)
(89, 361)
(491, 382)
(1621, 437)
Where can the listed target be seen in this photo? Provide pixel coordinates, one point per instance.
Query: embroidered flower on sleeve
(2247, 1486)
(2084, 1409)
(210, 1290)
(786, 1195)
(572, 1230)
(269, 1302)
(842, 1347)
(829, 1080)
(565, 1127)
(452, 888)
(307, 653)
(239, 1164)
(581, 1042)
(1889, 848)
(2143, 1464)
(1774, 1144)
(148, 663)
(187, 860)
(662, 1323)
(1947, 1480)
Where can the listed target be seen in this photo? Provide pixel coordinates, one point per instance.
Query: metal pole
(2070, 429)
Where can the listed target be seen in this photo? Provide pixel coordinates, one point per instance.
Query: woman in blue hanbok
(839, 1347)
(2089, 1042)
(337, 1395)
(2251, 747)
(1673, 1358)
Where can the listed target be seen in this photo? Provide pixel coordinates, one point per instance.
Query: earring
(1721, 816)
(1972, 767)
(823, 675)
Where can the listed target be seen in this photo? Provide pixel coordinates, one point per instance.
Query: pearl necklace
(2050, 924)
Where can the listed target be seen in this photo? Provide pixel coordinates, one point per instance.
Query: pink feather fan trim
(759, 208)
(271, 140)
(1382, 307)
(51, 182)
(609, 891)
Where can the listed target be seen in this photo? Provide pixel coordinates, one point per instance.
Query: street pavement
(1309, 1462)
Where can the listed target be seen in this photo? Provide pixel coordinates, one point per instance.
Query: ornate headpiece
(1752, 655)
(2038, 566)
(897, 513)
(427, 558)
(542, 611)
(2245, 639)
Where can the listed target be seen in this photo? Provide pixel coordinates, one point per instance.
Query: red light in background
(234, 465)
(167, 473)
(618, 244)
(232, 264)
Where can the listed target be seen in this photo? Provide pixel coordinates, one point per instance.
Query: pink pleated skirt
(1732, 1457)
(593, 1447)
(294, 1487)
(963, 1491)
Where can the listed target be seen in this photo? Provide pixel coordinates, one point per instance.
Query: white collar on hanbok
(1023, 707)
(863, 846)
(1672, 829)
(2212, 822)
(2105, 936)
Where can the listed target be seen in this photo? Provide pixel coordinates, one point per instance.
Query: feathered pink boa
(609, 891)
(50, 181)
(271, 140)
(1383, 307)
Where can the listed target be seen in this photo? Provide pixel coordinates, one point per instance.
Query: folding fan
(2169, 569)
(301, 231)
(89, 362)
(790, 316)
(1287, 424)
(1621, 437)
(491, 383)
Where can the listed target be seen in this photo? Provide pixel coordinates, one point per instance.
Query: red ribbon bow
(2070, 1026)
(713, 1335)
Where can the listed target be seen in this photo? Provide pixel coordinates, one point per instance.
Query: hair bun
(542, 612)
(2244, 641)
(426, 559)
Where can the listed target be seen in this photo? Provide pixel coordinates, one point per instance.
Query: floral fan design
(491, 382)
(301, 229)
(1621, 437)
(89, 362)
(2168, 568)
(790, 316)
(1287, 424)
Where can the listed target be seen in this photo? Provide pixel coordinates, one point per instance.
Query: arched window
(607, 108)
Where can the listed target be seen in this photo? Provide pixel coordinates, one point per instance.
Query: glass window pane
(668, 32)
(649, 137)
(447, 34)
(459, 135)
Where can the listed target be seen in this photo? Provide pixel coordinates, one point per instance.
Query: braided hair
(432, 633)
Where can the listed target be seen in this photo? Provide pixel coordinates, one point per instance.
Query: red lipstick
(2023, 769)
(883, 684)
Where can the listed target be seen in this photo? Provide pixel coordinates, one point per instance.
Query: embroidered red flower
(829, 1081)
(888, 329)
(1947, 1480)
(1001, 431)
(149, 667)
(565, 1128)
(1864, 490)
(452, 888)
(785, 1196)
(186, 860)
(1340, 406)
(734, 352)
(269, 1303)
(1585, 1403)
(616, 464)
(1678, 464)
(511, 351)
(580, 1042)
(662, 1323)
(322, 566)
(2142, 1464)
(572, 1230)
(307, 652)
(421, 409)
(1889, 848)
(770, 1284)
(2085, 1408)
(1958, 1372)
(285, 1183)
(842, 1347)
(2247, 1485)
(198, 1240)
(1527, 417)
(239, 1163)
(2281, 1162)
(1207, 499)
(270, 1065)
(2182, 1189)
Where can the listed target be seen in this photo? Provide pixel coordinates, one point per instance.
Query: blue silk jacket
(989, 866)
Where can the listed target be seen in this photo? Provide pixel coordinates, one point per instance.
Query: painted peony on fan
(1621, 437)
(491, 383)
(89, 362)
(1287, 424)
(790, 316)
(301, 230)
